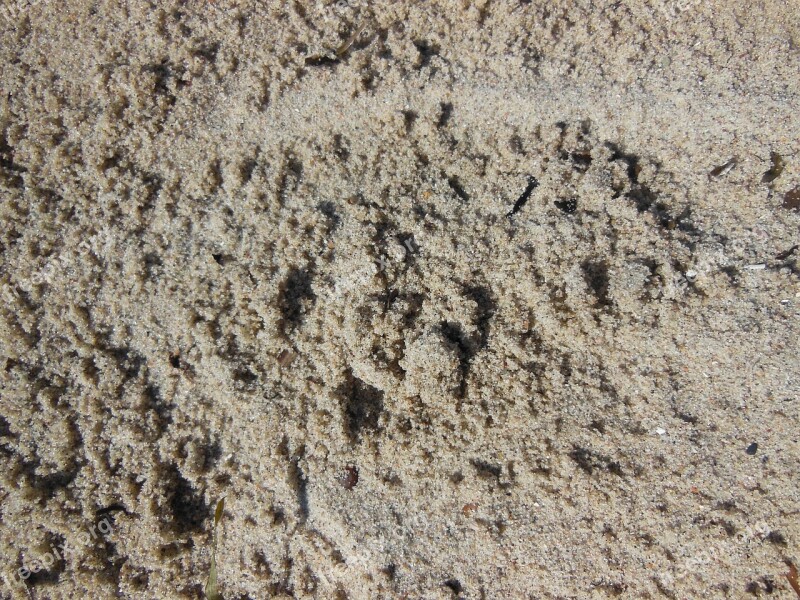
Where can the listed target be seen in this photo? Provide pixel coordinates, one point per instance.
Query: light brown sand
(235, 263)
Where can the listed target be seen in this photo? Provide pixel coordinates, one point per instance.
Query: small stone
(752, 449)
(350, 477)
(661, 431)
(285, 358)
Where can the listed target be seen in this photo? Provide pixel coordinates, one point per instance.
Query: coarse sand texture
(477, 300)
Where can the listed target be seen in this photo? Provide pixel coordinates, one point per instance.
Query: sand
(466, 300)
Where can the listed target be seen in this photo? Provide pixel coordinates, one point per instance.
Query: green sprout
(211, 585)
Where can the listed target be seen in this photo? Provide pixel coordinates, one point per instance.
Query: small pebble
(350, 477)
(752, 449)
(285, 358)
(661, 431)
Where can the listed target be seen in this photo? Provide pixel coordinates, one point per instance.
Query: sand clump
(463, 300)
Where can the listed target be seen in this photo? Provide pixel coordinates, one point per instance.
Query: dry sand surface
(474, 300)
